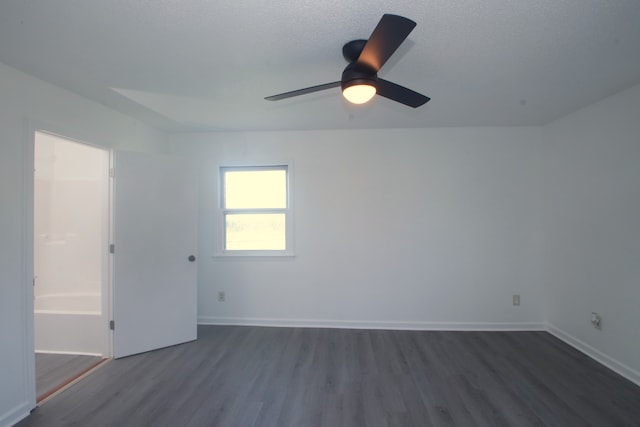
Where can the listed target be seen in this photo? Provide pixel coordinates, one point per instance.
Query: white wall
(25, 102)
(393, 228)
(592, 225)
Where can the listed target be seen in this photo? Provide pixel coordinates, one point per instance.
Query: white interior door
(155, 234)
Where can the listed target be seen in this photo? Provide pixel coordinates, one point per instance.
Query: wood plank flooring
(54, 370)
(253, 376)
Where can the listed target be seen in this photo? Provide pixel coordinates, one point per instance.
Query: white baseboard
(608, 361)
(74, 353)
(373, 324)
(12, 417)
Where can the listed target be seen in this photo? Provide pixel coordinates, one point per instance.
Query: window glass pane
(255, 232)
(255, 189)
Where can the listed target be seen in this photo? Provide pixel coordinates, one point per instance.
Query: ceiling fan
(360, 81)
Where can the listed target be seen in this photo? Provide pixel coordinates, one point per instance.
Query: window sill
(252, 255)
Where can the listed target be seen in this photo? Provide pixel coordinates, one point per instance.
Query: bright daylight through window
(255, 206)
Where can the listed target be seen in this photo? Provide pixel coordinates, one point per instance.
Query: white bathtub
(71, 324)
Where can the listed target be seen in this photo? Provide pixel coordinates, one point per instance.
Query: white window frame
(288, 211)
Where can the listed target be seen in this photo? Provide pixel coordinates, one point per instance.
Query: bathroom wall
(70, 205)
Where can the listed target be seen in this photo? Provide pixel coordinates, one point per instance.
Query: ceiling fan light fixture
(359, 93)
(360, 80)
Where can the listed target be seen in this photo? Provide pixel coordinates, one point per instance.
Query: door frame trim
(30, 127)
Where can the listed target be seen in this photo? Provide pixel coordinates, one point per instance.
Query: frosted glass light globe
(359, 94)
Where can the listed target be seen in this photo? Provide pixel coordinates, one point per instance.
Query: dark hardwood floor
(252, 376)
(54, 370)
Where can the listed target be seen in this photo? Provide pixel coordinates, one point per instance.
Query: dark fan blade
(400, 94)
(385, 39)
(302, 91)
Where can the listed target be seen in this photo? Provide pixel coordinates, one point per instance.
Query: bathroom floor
(56, 370)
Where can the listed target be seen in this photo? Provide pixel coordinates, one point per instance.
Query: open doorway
(71, 231)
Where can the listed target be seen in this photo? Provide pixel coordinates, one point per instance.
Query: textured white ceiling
(189, 65)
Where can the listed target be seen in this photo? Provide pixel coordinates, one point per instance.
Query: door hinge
(112, 325)
(112, 248)
(112, 172)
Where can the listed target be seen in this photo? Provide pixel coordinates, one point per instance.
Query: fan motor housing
(352, 50)
(357, 74)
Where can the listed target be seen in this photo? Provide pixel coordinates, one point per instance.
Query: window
(255, 210)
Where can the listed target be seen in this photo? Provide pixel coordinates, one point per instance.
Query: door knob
(191, 258)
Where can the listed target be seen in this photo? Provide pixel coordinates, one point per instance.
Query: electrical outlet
(221, 296)
(596, 320)
(516, 299)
